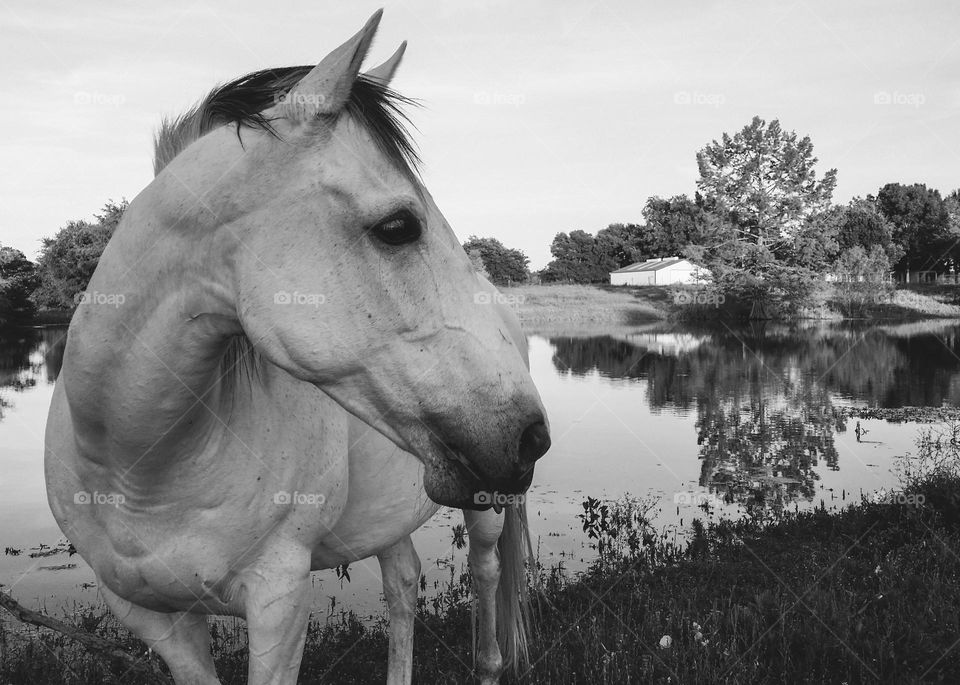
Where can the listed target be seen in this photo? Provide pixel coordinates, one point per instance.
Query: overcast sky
(538, 117)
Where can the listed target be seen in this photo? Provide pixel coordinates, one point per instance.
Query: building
(658, 271)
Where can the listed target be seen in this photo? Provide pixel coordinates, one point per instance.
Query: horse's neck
(140, 365)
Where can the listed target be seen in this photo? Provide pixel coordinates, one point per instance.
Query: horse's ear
(326, 89)
(384, 73)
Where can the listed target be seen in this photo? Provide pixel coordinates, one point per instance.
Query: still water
(707, 422)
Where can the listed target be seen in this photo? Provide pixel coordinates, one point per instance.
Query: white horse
(283, 286)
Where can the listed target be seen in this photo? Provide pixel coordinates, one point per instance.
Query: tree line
(760, 221)
(763, 224)
(62, 271)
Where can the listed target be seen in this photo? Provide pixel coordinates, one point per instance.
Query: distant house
(658, 271)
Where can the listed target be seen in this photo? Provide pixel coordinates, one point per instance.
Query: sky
(537, 117)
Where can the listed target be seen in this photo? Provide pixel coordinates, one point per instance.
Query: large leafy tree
(769, 236)
(503, 265)
(68, 260)
(766, 178)
(18, 279)
(921, 224)
(623, 244)
(583, 258)
(813, 245)
(861, 224)
(674, 224)
(577, 257)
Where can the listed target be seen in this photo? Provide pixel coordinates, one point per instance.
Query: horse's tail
(513, 598)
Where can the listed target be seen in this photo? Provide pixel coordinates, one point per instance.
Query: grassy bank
(871, 594)
(544, 305)
(910, 302)
(556, 305)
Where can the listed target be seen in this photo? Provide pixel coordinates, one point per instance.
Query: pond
(703, 421)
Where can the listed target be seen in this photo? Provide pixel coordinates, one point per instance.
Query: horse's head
(346, 274)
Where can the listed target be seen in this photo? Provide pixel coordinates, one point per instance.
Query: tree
(18, 279)
(68, 260)
(813, 246)
(862, 274)
(477, 262)
(765, 178)
(577, 257)
(673, 225)
(921, 224)
(623, 244)
(768, 234)
(952, 204)
(584, 258)
(861, 224)
(503, 264)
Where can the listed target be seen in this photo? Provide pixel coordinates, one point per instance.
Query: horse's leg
(484, 528)
(277, 602)
(181, 639)
(400, 568)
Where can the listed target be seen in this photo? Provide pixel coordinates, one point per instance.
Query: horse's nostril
(534, 442)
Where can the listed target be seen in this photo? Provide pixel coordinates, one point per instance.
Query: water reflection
(766, 396)
(756, 405)
(28, 356)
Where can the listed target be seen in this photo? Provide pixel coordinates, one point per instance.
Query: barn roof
(651, 265)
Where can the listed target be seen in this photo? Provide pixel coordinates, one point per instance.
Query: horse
(285, 361)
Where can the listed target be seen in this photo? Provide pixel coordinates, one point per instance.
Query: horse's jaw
(451, 481)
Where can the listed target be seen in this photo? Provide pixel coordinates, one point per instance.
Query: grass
(540, 305)
(867, 595)
(907, 302)
(543, 306)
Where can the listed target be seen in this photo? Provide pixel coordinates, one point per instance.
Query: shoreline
(558, 305)
(554, 305)
(649, 609)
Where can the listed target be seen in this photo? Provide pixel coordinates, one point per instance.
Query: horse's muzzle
(534, 443)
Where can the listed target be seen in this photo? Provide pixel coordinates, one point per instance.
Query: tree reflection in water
(765, 395)
(26, 355)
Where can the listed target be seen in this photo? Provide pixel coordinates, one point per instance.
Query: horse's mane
(374, 106)
(377, 108)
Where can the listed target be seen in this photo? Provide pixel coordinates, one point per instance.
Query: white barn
(658, 271)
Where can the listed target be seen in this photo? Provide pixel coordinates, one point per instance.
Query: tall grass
(867, 595)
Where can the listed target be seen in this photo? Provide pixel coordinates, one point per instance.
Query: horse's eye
(398, 229)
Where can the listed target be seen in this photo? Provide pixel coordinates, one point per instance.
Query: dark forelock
(372, 105)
